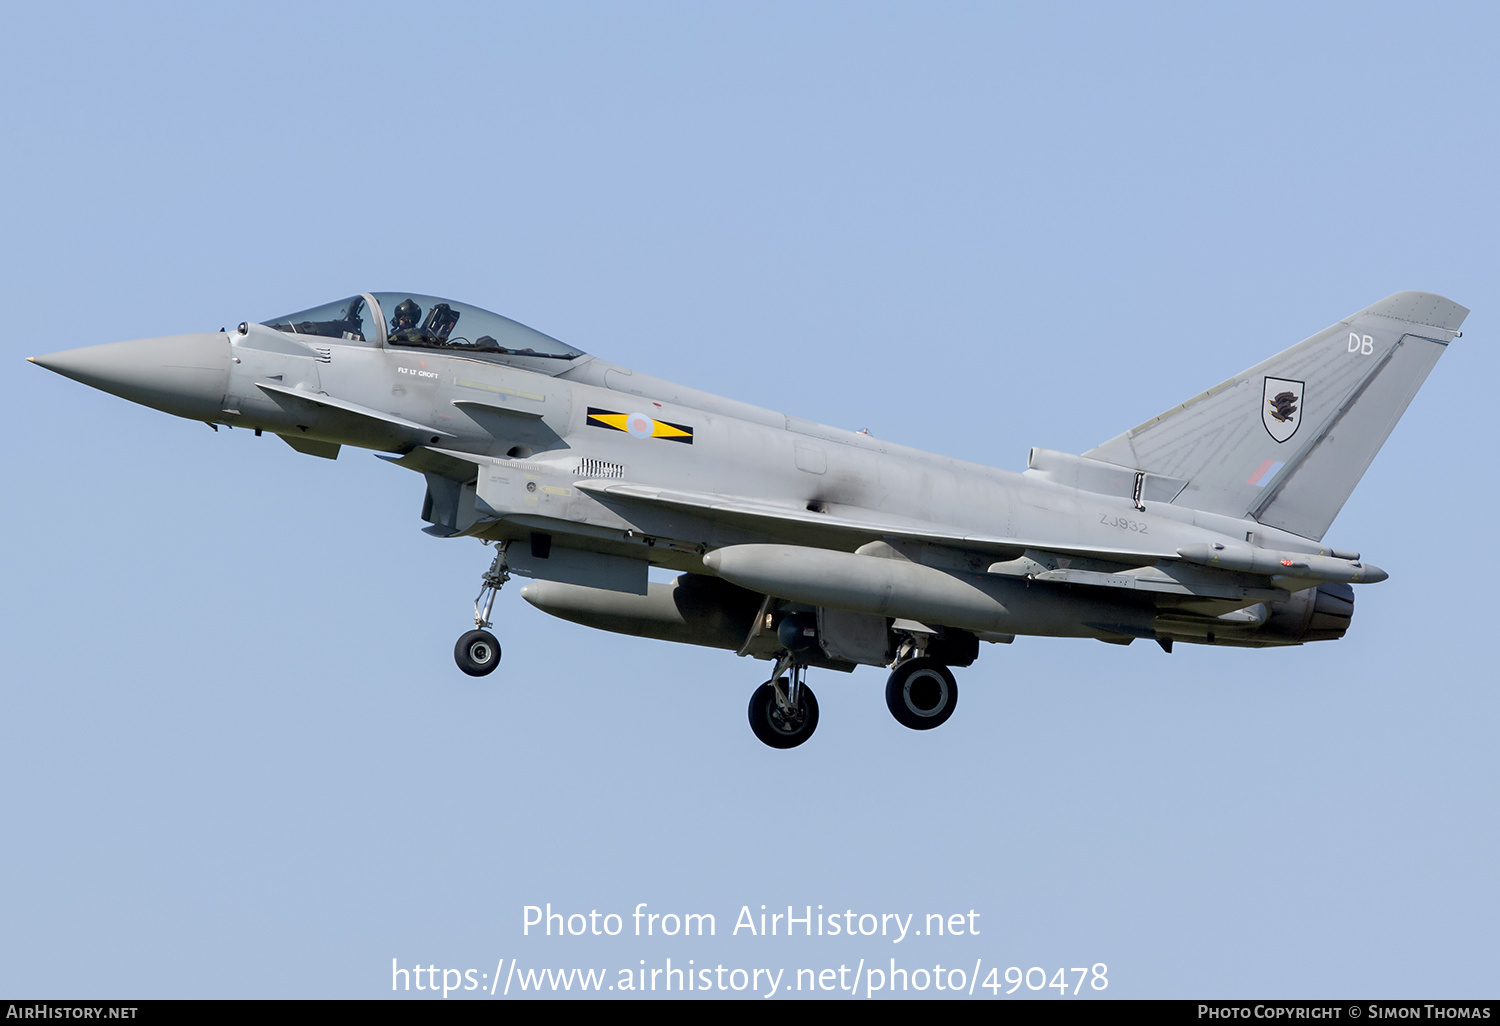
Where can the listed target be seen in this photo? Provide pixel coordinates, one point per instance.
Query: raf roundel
(639, 425)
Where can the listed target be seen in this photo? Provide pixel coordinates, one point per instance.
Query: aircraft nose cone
(186, 375)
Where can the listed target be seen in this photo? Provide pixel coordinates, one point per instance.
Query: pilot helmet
(407, 313)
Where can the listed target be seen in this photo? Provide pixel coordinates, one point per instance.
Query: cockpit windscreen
(348, 318)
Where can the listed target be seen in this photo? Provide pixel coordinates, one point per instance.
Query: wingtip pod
(1420, 308)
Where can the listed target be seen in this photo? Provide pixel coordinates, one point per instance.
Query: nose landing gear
(477, 652)
(783, 711)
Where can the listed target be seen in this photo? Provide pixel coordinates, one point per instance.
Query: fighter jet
(806, 545)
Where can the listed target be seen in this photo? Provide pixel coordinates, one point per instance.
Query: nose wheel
(477, 653)
(783, 711)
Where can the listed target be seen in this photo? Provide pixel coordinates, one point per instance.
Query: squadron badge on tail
(1281, 411)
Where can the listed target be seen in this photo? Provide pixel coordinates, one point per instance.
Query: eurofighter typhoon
(806, 545)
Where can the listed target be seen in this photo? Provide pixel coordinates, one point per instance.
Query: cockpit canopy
(424, 322)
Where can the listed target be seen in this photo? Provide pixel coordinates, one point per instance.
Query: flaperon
(806, 545)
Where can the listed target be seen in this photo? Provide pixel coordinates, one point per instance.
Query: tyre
(477, 653)
(921, 694)
(774, 727)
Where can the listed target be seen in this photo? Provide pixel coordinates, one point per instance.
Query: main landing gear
(783, 711)
(921, 693)
(477, 652)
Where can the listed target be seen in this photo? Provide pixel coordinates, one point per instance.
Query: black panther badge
(1281, 410)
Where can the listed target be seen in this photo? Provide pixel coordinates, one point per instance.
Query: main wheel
(921, 694)
(773, 726)
(477, 653)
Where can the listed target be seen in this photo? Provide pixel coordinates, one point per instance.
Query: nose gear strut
(490, 584)
(477, 652)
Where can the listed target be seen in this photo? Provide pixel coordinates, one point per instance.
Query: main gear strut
(783, 710)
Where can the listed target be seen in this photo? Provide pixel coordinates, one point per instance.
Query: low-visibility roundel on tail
(1286, 441)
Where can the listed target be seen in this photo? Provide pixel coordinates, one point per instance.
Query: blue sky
(238, 758)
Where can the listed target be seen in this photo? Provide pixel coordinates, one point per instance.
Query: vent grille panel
(589, 467)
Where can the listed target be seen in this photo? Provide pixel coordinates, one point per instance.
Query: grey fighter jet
(806, 545)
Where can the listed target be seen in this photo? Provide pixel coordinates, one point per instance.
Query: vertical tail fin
(1286, 441)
